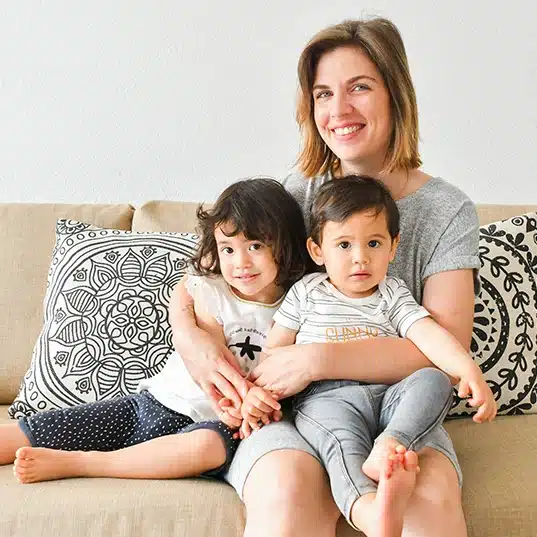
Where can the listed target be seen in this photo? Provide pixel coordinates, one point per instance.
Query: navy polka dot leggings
(115, 424)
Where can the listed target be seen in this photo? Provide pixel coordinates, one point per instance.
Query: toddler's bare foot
(381, 514)
(383, 447)
(397, 481)
(41, 464)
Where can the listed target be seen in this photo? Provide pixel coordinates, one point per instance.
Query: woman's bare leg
(167, 457)
(435, 507)
(287, 494)
(11, 439)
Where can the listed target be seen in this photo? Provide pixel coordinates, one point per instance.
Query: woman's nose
(341, 104)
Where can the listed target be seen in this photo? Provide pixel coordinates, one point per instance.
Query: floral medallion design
(106, 315)
(504, 341)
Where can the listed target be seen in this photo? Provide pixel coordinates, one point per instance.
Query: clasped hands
(259, 407)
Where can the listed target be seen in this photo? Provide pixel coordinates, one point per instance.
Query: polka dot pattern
(115, 424)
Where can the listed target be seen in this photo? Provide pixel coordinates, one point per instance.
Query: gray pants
(341, 419)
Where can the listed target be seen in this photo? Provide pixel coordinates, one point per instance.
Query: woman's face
(352, 109)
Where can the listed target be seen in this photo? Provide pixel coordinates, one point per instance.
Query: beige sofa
(498, 459)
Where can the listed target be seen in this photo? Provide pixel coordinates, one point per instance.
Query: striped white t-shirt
(319, 313)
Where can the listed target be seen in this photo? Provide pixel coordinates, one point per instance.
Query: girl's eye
(345, 245)
(256, 246)
(374, 243)
(227, 250)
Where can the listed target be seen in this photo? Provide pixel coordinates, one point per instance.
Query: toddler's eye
(256, 246)
(345, 245)
(374, 243)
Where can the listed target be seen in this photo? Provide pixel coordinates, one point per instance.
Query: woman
(357, 112)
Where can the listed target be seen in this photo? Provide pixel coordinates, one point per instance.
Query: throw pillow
(106, 321)
(505, 333)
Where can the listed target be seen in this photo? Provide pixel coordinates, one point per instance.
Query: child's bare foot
(381, 514)
(41, 464)
(383, 447)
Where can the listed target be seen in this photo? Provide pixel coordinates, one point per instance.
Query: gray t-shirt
(439, 229)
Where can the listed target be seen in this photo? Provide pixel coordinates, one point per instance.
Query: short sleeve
(206, 293)
(289, 314)
(457, 247)
(403, 310)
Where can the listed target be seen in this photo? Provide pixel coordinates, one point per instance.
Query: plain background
(130, 100)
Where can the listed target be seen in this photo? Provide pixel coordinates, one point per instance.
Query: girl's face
(352, 110)
(248, 267)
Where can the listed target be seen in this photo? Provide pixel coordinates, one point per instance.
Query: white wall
(112, 101)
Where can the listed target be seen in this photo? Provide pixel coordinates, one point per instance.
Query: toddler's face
(248, 267)
(356, 253)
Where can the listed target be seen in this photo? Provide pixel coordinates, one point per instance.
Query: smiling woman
(357, 112)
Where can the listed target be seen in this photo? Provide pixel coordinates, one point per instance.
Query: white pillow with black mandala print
(504, 340)
(105, 315)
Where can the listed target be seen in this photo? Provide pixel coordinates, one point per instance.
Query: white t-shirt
(245, 325)
(321, 314)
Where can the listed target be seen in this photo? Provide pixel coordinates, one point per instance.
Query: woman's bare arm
(448, 296)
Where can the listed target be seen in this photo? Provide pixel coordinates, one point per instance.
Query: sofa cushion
(166, 216)
(106, 315)
(499, 492)
(505, 328)
(26, 241)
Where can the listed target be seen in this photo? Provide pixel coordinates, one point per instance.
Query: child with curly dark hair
(246, 261)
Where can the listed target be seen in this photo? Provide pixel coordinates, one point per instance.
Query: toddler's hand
(229, 415)
(258, 408)
(481, 396)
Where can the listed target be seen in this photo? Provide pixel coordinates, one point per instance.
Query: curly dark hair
(339, 199)
(264, 211)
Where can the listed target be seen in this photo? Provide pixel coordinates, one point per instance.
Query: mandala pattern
(504, 341)
(106, 315)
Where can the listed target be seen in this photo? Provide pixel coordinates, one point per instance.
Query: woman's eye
(345, 245)
(360, 87)
(322, 95)
(374, 244)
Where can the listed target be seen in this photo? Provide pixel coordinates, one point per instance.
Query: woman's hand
(287, 370)
(214, 368)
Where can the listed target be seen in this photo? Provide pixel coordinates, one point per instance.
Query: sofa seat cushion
(497, 459)
(500, 474)
(120, 507)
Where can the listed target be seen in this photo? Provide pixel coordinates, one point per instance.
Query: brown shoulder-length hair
(264, 211)
(380, 39)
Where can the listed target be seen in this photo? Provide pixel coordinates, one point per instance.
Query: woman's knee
(287, 479)
(438, 483)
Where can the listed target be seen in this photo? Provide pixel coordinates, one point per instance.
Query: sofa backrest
(27, 234)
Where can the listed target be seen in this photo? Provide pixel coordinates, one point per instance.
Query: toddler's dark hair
(264, 211)
(339, 199)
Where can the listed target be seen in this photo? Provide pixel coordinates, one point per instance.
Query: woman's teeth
(347, 130)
